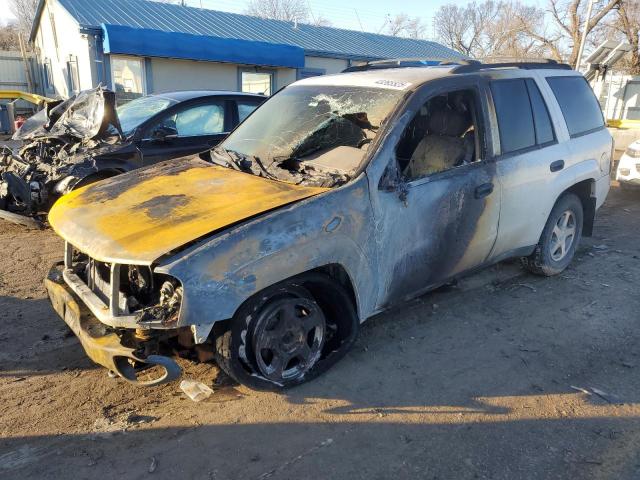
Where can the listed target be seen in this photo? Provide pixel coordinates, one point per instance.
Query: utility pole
(584, 36)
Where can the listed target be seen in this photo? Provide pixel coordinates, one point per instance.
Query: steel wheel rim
(288, 339)
(563, 235)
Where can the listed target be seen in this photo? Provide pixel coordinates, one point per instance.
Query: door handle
(557, 166)
(484, 190)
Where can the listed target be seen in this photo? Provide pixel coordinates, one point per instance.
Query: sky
(369, 15)
(5, 14)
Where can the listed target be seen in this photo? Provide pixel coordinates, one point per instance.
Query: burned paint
(132, 226)
(163, 205)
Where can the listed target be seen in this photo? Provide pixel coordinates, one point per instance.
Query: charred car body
(86, 138)
(338, 198)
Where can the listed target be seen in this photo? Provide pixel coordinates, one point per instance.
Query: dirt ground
(505, 376)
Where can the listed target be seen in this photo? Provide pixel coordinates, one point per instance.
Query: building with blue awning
(137, 47)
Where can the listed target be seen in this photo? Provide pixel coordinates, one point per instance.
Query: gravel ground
(506, 376)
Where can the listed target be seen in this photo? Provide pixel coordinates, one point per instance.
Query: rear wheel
(559, 239)
(288, 334)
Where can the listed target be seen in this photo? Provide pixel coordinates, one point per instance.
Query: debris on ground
(607, 397)
(195, 390)
(154, 465)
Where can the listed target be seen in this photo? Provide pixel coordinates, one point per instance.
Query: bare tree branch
(287, 10)
(25, 12)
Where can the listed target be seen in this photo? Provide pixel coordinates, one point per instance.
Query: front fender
(220, 273)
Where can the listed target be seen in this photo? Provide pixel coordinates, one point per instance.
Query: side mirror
(392, 181)
(163, 132)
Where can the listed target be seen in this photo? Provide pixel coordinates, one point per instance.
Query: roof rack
(545, 63)
(409, 62)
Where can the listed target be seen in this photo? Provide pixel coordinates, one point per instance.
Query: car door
(188, 130)
(530, 164)
(430, 229)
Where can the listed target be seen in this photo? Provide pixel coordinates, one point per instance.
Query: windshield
(138, 111)
(313, 135)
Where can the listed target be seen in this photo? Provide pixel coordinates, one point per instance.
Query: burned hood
(89, 114)
(142, 215)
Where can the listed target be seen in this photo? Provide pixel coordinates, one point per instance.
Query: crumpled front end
(124, 315)
(61, 144)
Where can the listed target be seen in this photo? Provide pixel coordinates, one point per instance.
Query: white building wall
(330, 65)
(285, 76)
(169, 74)
(57, 38)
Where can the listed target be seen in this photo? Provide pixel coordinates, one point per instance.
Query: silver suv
(338, 198)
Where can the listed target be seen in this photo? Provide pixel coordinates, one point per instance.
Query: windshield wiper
(244, 163)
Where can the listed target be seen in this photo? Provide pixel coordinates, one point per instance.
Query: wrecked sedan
(340, 197)
(86, 138)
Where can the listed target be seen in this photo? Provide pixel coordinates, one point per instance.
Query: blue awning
(119, 39)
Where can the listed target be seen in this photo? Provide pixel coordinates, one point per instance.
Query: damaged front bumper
(102, 343)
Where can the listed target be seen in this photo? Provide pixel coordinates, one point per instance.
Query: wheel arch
(339, 274)
(585, 191)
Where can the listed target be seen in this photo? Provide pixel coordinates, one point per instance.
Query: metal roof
(321, 41)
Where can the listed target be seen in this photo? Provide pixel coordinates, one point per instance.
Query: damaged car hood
(137, 217)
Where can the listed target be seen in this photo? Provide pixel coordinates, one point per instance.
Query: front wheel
(288, 333)
(559, 239)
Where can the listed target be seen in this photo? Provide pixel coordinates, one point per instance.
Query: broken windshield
(313, 135)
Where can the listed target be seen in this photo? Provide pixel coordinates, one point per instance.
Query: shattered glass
(311, 135)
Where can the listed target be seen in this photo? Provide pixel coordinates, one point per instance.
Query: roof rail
(408, 62)
(546, 63)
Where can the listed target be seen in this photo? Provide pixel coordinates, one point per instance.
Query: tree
(568, 26)
(628, 23)
(9, 37)
(489, 29)
(25, 12)
(402, 25)
(287, 10)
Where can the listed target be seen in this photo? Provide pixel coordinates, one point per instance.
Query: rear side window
(515, 118)
(579, 106)
(245, 107)
(541, 118)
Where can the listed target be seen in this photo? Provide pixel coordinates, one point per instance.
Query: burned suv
(338, 198)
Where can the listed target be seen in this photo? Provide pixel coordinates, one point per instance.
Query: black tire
(544, 261)
(235, 341)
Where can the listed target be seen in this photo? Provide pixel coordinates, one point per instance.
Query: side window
(245, 107)
(541, 117)
(515, 118)
(198, 120)
(579, 106)
(443, 135)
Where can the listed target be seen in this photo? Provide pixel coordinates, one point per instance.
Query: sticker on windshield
(396, 85)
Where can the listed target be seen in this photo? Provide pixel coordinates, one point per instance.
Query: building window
(74, 75)
(47, 74)
(257, 81)
(127, 75)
